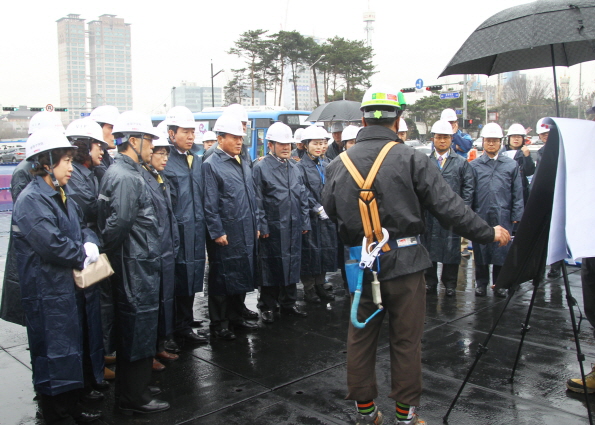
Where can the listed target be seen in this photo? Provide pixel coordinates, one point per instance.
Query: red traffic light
(408, 90)
(433, 88)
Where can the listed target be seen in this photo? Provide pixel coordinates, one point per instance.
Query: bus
(258, 123)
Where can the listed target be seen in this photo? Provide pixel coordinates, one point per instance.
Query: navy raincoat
(319, 246)
(48, 238)
(443, 245)
(170, 242)
(230, 209)
(498, 200)
(186, 196)
(526, 168)
(283, 215)
(106, 162)
(129, 229)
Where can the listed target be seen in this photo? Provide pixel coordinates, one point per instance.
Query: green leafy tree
(428, 109)
(250, 47)
(236, 86)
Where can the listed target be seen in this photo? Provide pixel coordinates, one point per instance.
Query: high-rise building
(110, 63)
(194, 97)
(71, 65)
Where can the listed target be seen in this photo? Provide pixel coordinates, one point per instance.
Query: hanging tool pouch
(368, 207)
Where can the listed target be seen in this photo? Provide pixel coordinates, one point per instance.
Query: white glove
(92, 252)
(323, 215)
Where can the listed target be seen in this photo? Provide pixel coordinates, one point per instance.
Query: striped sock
(404, 412)
(365, 407)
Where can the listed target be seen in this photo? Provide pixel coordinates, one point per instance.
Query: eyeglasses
(492, 142)
(162, 154)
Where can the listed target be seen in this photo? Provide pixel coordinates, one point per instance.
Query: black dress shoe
(249, 314)
(480, 291)
(193, 338)
(450, 292)
(93, 396)
(197, 323)
(87, 417)
(153, 406)
(224, 334)
(500, 293)
(245, 325)
(268, 316)
(293, 311)
(102, 386)
(171, 346)
(431, 289)
(154, 390)
(554, 273)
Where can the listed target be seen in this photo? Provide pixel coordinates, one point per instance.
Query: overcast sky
(175, 41)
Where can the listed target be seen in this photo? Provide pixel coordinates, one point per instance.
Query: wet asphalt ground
(293, 371)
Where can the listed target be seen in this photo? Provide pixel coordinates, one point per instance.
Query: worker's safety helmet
(350, 132)
(402, 125)
(280, 133)
(492, 130)
(314, 132)
(180, 116)
(382, 96)
(45, 119)
(229, 124)
(541, 127)
(133, 122)
(209, 135)
(238, 111)
(448, 115)
(442, 127)
(106, 114)
(516, 130)
(85, 128)
(297, 136)
(45, 139)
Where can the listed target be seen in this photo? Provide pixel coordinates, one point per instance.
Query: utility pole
(212, 84)
(464, 99)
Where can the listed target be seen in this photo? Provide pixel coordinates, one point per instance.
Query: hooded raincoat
(230, 209)
(129, 229)
(498, 200)
(319, 246)
(186, 195)
(170, 243)
(284, 214)
(49, 237)
(443, 245)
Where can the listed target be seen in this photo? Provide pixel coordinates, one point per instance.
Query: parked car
(478, 144)
(12, 155)
(424, 149)
(414, 143)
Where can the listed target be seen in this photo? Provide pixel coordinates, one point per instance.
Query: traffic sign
(49, 107)
(85, 114)
(459, 111)
(450, 95)
(419, 83)
(480, 126)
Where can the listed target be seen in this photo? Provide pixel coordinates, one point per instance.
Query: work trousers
(588, 280)
(450, 274)
(132, 380)
(286, 296)
(404, 300)
(225, 310)
(184, 313)
(310, 282)
(60, 409)
(482, 274)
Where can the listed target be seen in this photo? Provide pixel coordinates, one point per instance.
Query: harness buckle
(370, 252)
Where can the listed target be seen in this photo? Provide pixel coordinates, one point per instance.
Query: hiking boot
(374, 418)
(311, 297)
(576, 384)
(554, 273)
(414, 421)
(322, 294)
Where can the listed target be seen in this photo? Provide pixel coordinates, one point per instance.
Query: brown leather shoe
(167, 356)
(110, 359)
(108, 374)
(157, 367)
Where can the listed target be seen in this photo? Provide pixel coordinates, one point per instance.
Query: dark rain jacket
(443, 244)
(49, 238)
(319, 246)
(230, 209)
(526, 169)
(244, 155)
(498, 200)
(106, 162)
(129, 229)
(406, 186)
(283, 215)
(11, 308)
(186, 195)
(333, 151)
(297, 154)
(169, 245)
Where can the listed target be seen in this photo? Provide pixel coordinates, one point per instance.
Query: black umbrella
(534, 35)
(340, 110)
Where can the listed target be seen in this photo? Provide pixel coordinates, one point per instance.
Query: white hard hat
(402, 125)
(45, 139)
(314, 132)
(238, 110)
(105, 114)
(442, 127)
(541, 127)
(209, 135)
(180, 116)
(492, 130)
(134, 122)
(336, 127)
(383, 95)
(516, 130)
(45, 119)
(448, 115)
(297, 136)
(280, 133)
(86, 128)
(230, 124)
(350, 132)
(161, 130)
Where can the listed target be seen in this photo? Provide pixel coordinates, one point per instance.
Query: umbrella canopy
(520, 38)
(340, 110)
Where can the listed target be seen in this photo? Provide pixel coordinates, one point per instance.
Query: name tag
(410, 241)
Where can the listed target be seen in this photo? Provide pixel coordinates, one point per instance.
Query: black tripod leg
(579, 354)
(480, 351)
(524, 329)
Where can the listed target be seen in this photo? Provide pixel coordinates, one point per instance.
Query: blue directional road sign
(459, 111)
(450, 95)
(419, 84)
(85, 114)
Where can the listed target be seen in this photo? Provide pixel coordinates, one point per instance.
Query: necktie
(238, 159)
(63, 195)
(189, 158)
(440, 159)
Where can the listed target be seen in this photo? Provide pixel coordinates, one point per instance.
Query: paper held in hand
(93, 273)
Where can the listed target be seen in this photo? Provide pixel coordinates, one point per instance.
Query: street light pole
(315, 84)
(213, 84)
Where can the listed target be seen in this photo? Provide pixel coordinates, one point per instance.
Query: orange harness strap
(368, 206)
